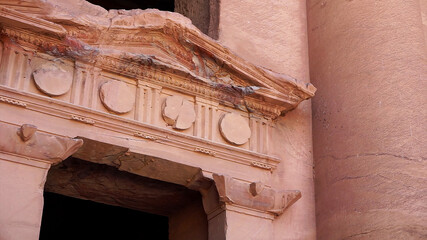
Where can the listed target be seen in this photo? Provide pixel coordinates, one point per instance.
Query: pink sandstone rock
(52, 79)
(178, 112)
(235, 128)
(27, 141)
(369, 118)
(117, 96)
(26, 131)
(186, 117)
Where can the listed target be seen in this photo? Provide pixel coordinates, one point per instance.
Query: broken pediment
(153, 45)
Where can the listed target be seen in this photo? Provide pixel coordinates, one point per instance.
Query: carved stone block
(117, 96)
(178, 112)
(256, 188)
(53, 80)
(13, 102)
(234, 128)
(26, 131)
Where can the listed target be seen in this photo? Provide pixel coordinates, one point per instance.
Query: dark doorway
(71, 218)
(165, 5)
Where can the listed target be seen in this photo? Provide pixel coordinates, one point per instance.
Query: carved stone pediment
(147, 75)
(152, 44)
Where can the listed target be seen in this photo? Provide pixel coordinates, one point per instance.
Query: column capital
(27, 141)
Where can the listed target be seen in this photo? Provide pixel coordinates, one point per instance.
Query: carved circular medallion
(178, 112)
(52, 79)
(117, 96)
(234, 128)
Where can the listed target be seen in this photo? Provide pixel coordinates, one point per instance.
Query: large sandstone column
(368, 61)
(25, 158)
(273, 34)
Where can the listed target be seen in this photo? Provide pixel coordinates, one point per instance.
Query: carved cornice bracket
(27, 141)
(255, 196)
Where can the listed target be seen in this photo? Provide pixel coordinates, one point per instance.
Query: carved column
(241, 210)
(369, 128)
(25, 158)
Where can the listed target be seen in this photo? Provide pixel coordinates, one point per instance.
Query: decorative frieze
(146, 136)
(262, 165)
(13, 101)
(173, 140)
(82, 119)
(205, 151)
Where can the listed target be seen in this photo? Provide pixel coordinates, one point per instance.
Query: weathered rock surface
(117, 96)
(52, 79)
(106, 184)
(235, 129)
(179, 112)
(26, 141)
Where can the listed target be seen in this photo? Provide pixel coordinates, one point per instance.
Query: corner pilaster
(25, 158)
(241, 210)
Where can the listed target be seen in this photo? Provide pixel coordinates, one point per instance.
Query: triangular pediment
(138, 43)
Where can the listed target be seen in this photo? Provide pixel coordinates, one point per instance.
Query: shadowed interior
(96, 201)
(71, 218)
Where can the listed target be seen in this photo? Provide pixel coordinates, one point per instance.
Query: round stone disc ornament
(52, 79)
(178, 112)
(117, 96)
(234, 128)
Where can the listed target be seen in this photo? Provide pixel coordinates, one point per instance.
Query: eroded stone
(255, 188)
(186, 116)
(171, 109)
(234, 128)
(27, 141)
(26, 131)
(52, 80)
(178, 112)
(234, 192)
(117, 96)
